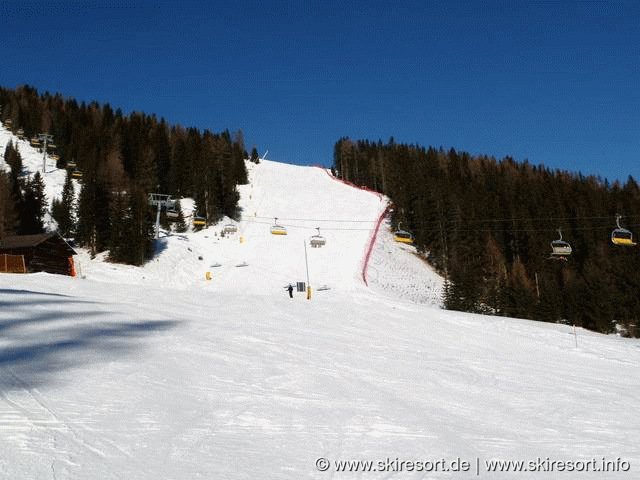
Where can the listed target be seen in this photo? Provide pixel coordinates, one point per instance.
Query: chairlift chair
(559, 248)
(278, 229)
(71, 164)
(230, 228)
(199, 220)
(622, 236)
(77, 174)
(402, 236)
(35, 142)
(172, 212)
(318, 240)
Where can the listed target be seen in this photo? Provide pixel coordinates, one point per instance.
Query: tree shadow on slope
(44, 334)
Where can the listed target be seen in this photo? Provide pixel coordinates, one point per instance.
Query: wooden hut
(45, 252)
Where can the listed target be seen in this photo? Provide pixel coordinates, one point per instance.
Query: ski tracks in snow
(32, 426)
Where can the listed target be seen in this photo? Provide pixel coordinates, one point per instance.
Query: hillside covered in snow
(158, 372)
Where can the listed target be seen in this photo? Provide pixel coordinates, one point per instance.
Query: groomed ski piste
(156, 372)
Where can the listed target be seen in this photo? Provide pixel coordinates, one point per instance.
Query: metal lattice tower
(45, 138)
(160, 200)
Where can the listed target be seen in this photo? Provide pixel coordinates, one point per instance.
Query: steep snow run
(299, 199)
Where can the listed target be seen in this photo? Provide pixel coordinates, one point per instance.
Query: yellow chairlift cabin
(199, 220)
(402, 236)
(560, 249)
(622, 236)
(278, 229)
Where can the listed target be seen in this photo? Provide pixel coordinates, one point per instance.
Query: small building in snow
(45, 252)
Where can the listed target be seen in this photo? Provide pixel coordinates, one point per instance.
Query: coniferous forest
(120, 160)
(487, 226)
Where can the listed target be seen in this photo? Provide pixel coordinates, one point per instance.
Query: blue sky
(554, 82)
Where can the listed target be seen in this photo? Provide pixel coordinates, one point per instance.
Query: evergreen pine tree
(68, 198)
(57, 212)
(33, 207)
(140, 228)
(93, 229)
(8, 214)
(120, 218)
(13, 159)
(180, 224)
(255, 158)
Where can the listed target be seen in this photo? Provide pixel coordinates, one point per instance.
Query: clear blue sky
(554, 82)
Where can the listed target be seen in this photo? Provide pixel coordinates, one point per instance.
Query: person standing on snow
(290, 289)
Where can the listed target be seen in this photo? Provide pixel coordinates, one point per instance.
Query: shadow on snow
(41, 335)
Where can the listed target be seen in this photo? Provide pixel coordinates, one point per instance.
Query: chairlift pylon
(622, 236)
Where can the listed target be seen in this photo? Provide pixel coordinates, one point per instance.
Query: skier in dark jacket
(290, 288)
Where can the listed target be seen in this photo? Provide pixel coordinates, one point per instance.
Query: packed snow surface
(156, 372)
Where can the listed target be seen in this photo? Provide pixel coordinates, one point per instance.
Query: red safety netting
(374, 233)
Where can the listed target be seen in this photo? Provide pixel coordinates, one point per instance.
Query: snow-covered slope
(156, 372)
(117, 381)
(397, 271)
